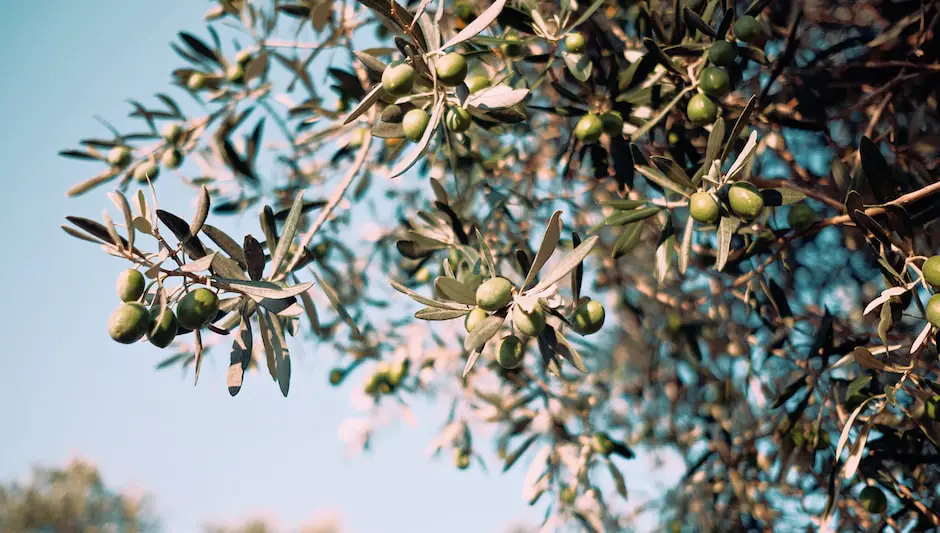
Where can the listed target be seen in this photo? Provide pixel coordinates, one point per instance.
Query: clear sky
(67, 389)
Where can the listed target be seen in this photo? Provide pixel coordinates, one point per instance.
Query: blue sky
(69, 390)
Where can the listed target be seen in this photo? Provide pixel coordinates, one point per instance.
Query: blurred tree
(742, 275)
(71, 499)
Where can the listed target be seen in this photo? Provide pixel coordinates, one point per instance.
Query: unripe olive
(474, 317)
(393, 114)
(531, 324)
(588, 317)
(933, 310)
(701, 110)
(746, 28)
(723, 53)
(336, 376)
(462, 459)
(613, 123)
(873, 500)
(931, 271)
(575, 42)
(119, 156)
(172, 158)
(128, 323)
(801, 216)
(398, 79)
(703, 207)
(451, 69)
(196, 81)
(423, 275)
(602, 443)
(197, 308)
(148, 170)
(463, 11)
(163, 327)
(458, 119)
(494, 294)
(477, 82)
(932, 407)
(745, 200)
(589, 128)
(414, 124)
(130, 285)
(512, 49)
(715, 82)
(235, 73)
(172, 132)
(510, 352)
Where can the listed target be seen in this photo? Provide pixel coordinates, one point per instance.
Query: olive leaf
(739, 124)
(657, 177)
(726, 229)
(452, 289)
(692, 20)
(512, 458)
(628, 240)
(479, 24)
(673, 171)
(570, 261)
(426, 301)
(665, 250)
(579, 65)
(629, 217)
(254, 257)
(497, 97)
(202, 211)
(685, 248)
(790, 390)
(265, 289)
(366, 103)
(338, 306)
(546, 248)
(121, 202)
(226, 243)
(482, 332)
(287, 237)
(434, 313)
(240, 357)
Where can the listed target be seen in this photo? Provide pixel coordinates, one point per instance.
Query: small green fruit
(145, 171)
(602, 443)
(510, 352)
(119, 156)
(129, 323)
(613, 123)
(932, 271)
(933, 310)
(451, 69)
(172, 132)
(932, 407)
(197, 308)
(130, 285)
(531, 324)
(494, 294)
(701, 110)
(588, 317)
(575, 42)
(197, 81)
(512, 49)
(414, 124)
(703, 207)
(589, 128)
(715, 82)
(336, 376)
(474, 317)
(423, 275)
(458, 119)
(801, 216)
(462, 459)
(723, 53)
(162, 329)
(235, 73)
(398, 79)
(745, 200)
(747, 29)
(172, 158)
(392, 114)
(463, 11)
(873, 500)
(477, 83)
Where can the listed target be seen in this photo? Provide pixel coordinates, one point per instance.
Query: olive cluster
(148, 170)
(931, 272)
(496, 294)
(714, 81)
(132, 321)
(398, 80)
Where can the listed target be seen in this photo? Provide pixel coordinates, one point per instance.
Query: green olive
(701, 110)
(130, 285)
(146, 171)
(531, 324)
(119, 156)
(933, 310)
(129, 323)
(398, 79)
(873, 500)
(474, 317)
(747, 29)
(494, 294)
(745, 200)
(931, 271)
(458, 119)
(589, 128)
(197, 308)
(588, 317)
(801, 216)
(715, 82)
(510, 352)
(451, 69)
(414, 123)
(703, 207)
(575, 42)
(723, 53)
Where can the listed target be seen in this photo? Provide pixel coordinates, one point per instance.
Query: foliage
(748, 346)
(71, 499)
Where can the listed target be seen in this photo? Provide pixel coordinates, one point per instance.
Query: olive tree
(702, 226)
